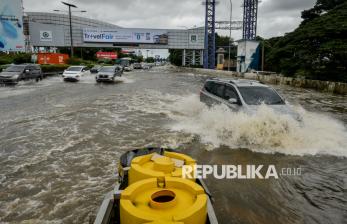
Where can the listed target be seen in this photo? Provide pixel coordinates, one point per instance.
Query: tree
(150, 60)
(175, 57)
(317, 49)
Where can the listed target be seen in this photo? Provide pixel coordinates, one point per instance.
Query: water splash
(266, 131)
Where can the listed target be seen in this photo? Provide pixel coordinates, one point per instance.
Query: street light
(71, 39)
(57, 10)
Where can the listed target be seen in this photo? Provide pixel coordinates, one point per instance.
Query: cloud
(276, 17)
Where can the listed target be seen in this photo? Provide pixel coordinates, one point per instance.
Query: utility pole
(71, 39)
(231, 14)
(210, 32)
(250, 16)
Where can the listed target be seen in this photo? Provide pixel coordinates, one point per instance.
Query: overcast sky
(275, 18)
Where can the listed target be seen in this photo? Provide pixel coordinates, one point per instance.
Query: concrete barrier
(275, 79)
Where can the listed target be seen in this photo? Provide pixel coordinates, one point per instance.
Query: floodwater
(60, 144)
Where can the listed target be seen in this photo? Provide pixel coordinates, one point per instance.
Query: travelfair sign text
(143, 36)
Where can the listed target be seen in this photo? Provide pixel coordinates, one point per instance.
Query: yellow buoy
(168, 200)
(155, 165)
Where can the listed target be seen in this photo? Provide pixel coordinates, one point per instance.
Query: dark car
(108, 73)
(95, 69)
(15, 73)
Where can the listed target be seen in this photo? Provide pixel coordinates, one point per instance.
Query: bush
(22, 58)
(5, 60)
(16, 58)
(53, 68)
(79, 61)
(106, 61)
(150, 60)
(74, 61)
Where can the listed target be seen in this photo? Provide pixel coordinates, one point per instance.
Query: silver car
(244, 95)
(15, 73)
(108, 73)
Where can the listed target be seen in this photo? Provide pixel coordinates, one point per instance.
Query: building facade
(52, 30)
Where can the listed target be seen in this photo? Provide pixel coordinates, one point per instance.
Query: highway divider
(275, 79)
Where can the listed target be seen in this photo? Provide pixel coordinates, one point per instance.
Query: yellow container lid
(155, 165)
(167, 200)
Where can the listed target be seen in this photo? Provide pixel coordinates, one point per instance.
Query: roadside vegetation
(317, 49)
(16, 58)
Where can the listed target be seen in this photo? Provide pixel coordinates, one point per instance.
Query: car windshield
(74, 69)
(257, 95)
(107, 69)
(14, 69)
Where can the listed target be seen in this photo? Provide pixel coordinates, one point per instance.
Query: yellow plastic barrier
(169, 200)
(164, 222)
(154, 166)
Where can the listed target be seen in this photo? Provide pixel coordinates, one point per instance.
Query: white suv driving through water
(244, 95)
(74, 73)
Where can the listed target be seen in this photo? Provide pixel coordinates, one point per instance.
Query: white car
(146, 66)
(74, 73)
(128, 69)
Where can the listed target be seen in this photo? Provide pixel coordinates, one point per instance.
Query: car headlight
(15, 77)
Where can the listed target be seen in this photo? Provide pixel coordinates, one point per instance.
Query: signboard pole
(71, 41)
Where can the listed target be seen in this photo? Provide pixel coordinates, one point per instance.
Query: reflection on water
(60, 144)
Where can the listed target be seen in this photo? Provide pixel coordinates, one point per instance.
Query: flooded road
(60, 144)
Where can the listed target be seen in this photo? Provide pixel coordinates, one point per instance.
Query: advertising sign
(248, 54)
(11, 25)
(46, 36)
(125, 36)
(52, 58)
(107, 55)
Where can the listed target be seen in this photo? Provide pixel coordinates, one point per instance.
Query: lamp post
(70, 22)
(231, 13)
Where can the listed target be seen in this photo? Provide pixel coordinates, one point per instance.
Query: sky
(275, 17)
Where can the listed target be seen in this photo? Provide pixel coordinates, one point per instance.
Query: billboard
(137, 36)
(106, 55)
(248, 54)
(46, 35)
(52, 58)
(11, 25)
